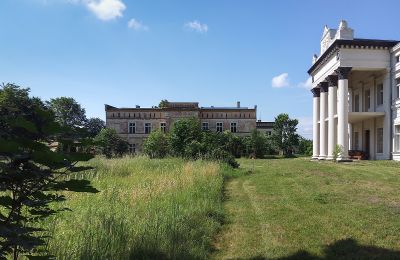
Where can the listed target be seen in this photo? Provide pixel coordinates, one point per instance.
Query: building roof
(263, 124)
(356, 42)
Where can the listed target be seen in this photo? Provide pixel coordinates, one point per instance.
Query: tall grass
(146, 208)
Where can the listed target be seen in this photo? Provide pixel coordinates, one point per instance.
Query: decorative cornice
(323, 86)
(332, 80)
(316, 92)
(343, 72)
(339, 43)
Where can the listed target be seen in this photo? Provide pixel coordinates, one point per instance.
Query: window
(367, 100)
(398, 87)
(132, 128)
(397, 138)
(356, 103)
(356, 141)
(219, 127)
(379, 94)
(268, 132)
(132, 148)
(147, 128)
(379, 140)
(233, 127)
(204, 126)
(397, 59)
(163, 127)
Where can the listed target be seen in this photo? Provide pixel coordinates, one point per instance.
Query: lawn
(296, 209)
(275, 209)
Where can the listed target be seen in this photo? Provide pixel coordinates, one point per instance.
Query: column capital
(343, 72)
(315, 91)
(332, 80)
(323, 86)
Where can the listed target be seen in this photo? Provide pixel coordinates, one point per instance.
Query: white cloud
(281, 81)
(137, 25)
(305, 127)
(306, 84)
(105, 9)
(196, 26)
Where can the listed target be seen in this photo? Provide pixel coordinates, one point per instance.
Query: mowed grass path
(294, 208)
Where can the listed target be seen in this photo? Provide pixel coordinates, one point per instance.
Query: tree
(305, 146)
(109, 143)
(68, 112)
(256, 144)
(183, 133)
(284, 134)
(163, 103)
(31, 174)
(94, 126)
(156, 144)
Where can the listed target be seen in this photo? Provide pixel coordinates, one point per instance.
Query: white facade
(356, 103)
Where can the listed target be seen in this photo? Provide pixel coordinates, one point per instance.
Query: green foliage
(68, 112)
(336, 153)
(109, 143)
(94, 125)
(182, 134)
(30, 172)
(163, 103)
(284, 134)
(257, 145)
(156, 144)
(305, 146)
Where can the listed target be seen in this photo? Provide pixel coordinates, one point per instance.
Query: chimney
(137, 106)
(238, 104)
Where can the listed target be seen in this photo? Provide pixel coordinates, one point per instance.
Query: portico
(352, 96)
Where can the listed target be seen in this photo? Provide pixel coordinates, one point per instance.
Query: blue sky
(128, 52)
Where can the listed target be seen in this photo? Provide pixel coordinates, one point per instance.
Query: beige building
(135, 124)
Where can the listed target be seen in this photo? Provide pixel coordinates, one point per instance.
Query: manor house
(356, 97)
(135, 124)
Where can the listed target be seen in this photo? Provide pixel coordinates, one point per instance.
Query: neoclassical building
(356, 96)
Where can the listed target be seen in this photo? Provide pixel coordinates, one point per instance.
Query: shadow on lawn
(345, 249)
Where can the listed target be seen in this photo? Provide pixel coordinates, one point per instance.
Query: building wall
(396, 102)
(119, 119)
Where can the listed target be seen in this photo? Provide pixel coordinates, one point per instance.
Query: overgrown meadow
(145, 208)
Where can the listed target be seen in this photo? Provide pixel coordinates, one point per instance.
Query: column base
(322, 157)
(314, 157)
(343, 159)
(329, 158)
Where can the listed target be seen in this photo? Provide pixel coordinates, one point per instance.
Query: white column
(323, 140)
(332, 106)
(316, 94)
(343, 112)
(387, 123)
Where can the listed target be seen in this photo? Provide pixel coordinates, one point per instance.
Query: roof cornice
(362, 43)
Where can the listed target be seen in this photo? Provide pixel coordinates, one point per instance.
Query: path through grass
(301, 209)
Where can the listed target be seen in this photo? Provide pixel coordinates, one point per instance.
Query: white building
(356, 96)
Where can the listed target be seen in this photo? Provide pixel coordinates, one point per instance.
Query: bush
(109, 143)
(156, 145)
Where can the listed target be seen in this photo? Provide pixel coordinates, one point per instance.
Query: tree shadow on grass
(345, 249)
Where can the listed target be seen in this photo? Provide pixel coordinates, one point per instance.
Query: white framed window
(379, 94)
(233, 127)
(397, 138)
(398, 87)
(147, 128)
(204, 126)
(357, 103)
(379, 140)
(132, 148)
(398, 59)
(132, 128)
(163, 127)
(220, 127)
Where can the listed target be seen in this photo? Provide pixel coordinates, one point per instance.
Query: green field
(275, 209)
(294, 209)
